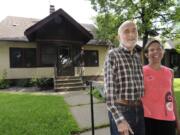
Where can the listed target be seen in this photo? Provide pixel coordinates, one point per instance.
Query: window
(16, 58)
(175, 59)
(76, 57)
(91, 58)
(48, 56)
(22, 57)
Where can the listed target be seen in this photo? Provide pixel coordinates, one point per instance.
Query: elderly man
(123, 82)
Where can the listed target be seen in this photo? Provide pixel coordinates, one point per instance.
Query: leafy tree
(177, 43)
(153, 17)
(178, 48)
(107, 27)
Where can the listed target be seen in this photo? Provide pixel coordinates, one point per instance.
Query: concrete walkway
(80, 108)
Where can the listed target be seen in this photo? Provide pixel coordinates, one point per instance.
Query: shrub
(4, 83)
(43, 83)
(23, 83)
(97, 94)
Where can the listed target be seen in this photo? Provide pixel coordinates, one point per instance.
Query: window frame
(23, 59)
(91, 65)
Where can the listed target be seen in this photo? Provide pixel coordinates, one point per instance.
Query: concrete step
(68, 83)
(68, 88)
(68, 80)
(68, 77)
(59, 84)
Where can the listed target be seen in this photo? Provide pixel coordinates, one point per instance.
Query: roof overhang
(31, 31)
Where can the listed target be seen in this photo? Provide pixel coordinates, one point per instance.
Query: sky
(80, 10)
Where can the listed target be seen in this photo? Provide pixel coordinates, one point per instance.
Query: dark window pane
(29, 57)
(16, 57)
(48, 56)
(48, 50)
(48, 59)
(175, 60)
(76, 57)
(91, 58)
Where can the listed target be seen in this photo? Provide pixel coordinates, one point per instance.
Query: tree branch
(137, 8)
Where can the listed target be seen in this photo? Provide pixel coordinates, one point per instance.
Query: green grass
(177, 92)
(28, 114)
(177, 84)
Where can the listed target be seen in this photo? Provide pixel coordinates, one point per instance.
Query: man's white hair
(124, 24)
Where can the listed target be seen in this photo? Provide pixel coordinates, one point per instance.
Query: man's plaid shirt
(123, 79)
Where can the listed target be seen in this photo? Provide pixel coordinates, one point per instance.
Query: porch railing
(55, 73)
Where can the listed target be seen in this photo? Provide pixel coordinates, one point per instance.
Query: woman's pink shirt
(158, 100)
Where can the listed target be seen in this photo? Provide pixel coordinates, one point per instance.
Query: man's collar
(128, 51)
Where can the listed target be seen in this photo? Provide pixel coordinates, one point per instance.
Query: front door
(65, 65)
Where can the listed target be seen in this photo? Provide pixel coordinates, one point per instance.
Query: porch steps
(68, 83)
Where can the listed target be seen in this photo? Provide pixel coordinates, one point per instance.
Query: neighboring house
(172, 57)
(57, 44)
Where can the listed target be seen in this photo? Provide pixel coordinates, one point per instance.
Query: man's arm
(109, 87)
(111, 97)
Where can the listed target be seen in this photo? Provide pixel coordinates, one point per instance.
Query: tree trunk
(145, 40)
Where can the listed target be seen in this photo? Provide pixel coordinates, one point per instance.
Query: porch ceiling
(59, 26)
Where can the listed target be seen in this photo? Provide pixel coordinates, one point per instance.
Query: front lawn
(28, 114)
(177, 84)
(177, 92)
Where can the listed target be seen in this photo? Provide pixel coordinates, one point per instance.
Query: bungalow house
(54, 46)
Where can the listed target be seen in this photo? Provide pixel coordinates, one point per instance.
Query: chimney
(52, 9)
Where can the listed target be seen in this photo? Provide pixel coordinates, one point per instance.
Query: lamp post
(92, 107)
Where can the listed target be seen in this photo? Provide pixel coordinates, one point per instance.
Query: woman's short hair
(150, 42)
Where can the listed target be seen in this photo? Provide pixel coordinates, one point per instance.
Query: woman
(159, 101)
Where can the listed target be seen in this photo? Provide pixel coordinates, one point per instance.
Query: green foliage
(177, 42)
(26, 114)
(4, 83)
(152, 17)
(178, 48)
(23, 83)
(107, 30)
(97, 94)
(42, 83)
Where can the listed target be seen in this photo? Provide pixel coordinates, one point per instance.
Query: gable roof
(60, 12)
(12, 28)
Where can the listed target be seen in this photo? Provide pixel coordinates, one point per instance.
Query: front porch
(60, 40)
